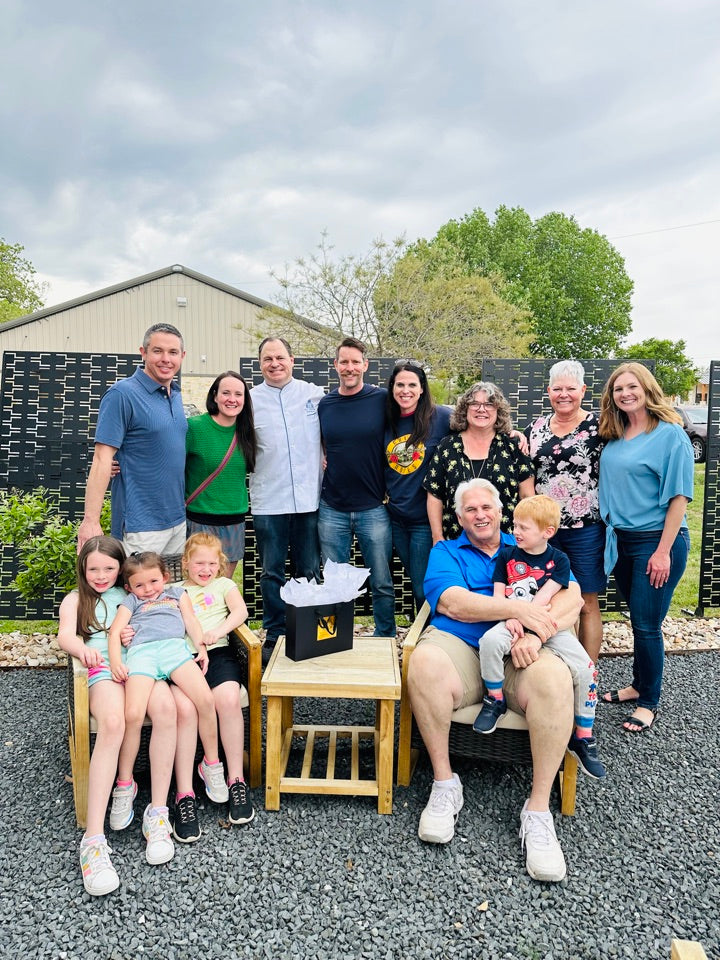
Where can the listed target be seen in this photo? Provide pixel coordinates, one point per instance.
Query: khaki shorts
(168, 543)
(466, 661)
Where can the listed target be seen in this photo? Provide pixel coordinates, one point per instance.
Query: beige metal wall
(217, 327)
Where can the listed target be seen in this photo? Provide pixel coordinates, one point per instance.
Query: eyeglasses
(475, 405)
(407, 362)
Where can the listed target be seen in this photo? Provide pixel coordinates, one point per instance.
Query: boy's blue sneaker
(492, 710)
(584, 749)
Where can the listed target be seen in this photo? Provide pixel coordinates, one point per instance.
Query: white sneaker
(437, 821)
(213, 777)
(156, 830)
(99, 874)
(544, 858)
(122, 812)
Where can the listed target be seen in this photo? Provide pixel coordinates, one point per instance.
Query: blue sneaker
(584, 749)
(492, 710)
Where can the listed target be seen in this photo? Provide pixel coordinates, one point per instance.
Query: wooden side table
(370, 671)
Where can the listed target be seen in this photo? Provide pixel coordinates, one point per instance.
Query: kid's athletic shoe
(214, 779)
(437, 821)
(187, 827)
(99, 876)
(122, 812)
(492, 710)
(584, 749)
(156, 830)
(240, 808)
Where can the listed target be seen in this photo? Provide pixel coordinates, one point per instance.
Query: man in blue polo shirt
(444, 672)
(142, 422)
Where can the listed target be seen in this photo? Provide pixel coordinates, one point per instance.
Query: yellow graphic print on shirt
(404, 457)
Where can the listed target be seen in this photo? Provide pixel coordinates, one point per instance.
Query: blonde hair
(209, 540)
(613, 420)
(542, 510)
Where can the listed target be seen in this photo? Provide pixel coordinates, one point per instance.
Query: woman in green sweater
(220, 452)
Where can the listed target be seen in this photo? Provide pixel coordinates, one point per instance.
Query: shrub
(44, 540)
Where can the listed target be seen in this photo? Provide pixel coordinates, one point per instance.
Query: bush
(44, 540)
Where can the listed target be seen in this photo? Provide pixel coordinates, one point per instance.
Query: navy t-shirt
(524, 573)
(406, 465)
(352, 429)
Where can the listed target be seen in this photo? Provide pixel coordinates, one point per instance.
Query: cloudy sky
(227, 135)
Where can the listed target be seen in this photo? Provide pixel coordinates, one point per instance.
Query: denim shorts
(157, 658)
(231, 536)
(585, 547)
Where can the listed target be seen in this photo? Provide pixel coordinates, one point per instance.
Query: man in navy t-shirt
(352, 422)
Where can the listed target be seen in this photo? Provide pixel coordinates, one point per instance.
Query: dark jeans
(276, 534)
(373, 532)
(648, 605)
(413, 543)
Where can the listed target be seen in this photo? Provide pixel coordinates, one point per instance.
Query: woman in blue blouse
(413, 428)
(646, 482)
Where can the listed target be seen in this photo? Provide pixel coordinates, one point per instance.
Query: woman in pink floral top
(565, 449)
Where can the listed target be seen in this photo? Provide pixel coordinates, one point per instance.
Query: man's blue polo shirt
(147, 427)
(457, 563)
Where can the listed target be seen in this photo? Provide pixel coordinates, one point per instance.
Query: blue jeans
(648, 605)
(276, 534)
(374, 534)
(413, 543)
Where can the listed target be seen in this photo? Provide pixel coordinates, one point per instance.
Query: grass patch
(29, 626)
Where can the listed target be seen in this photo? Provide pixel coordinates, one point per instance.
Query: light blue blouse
(639, 478)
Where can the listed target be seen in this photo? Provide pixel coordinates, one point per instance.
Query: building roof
(136, 282)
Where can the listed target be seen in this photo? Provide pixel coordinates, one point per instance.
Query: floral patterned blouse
(568, 468)
(506, 467)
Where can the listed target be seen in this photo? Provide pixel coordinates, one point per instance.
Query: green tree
(329, 297)
(432, 308)
(674, 370)
(573, 281)
(20, 291)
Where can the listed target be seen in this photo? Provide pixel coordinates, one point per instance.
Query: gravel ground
(329, 878)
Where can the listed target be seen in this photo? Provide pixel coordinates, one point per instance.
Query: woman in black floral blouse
(565, 449)
(480, 446)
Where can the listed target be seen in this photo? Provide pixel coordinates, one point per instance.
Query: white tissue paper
(342, 583)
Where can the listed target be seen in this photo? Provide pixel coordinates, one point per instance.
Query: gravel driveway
(329, 878)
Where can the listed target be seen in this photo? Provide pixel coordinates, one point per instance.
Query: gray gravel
(329, 878)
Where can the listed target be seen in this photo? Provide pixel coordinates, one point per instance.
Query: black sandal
(642, 724)
(614, 697)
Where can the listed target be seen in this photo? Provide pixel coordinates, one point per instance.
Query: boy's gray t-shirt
(158, 619)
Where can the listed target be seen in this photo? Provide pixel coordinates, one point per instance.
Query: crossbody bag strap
(221, 466)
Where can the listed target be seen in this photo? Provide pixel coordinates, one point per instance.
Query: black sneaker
(186, 828)
(584, 749)
(267, 650)
(492, 710)
(240, 808)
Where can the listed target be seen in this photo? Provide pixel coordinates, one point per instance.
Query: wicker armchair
(82, 727)
(510, 743)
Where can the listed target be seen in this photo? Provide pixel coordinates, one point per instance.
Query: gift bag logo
(327, 627)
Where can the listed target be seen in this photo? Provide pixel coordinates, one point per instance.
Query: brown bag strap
(208, 480)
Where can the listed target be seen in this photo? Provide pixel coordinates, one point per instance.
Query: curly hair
(613, 420)
(197, 540)
(458, 418)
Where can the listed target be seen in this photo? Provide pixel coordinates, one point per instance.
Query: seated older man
(445, 673)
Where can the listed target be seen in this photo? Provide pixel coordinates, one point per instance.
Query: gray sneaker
(544, 858)
(437, 821)
(213, 777)
(122, 812)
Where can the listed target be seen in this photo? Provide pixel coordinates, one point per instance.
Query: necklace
(481, 464)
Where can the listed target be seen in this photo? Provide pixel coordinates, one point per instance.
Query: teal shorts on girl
(157, 658)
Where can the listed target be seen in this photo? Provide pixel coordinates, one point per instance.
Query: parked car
(695, 426)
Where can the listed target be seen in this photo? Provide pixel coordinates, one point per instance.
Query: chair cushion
(510, 720)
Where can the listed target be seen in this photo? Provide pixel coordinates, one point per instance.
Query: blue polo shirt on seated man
(147, 426)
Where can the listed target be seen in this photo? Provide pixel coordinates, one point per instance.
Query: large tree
(430, 307)
(20, 291)
(572, 280)
(330, 297)
(674, 371)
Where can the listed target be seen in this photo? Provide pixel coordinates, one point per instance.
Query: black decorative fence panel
(710, 544)
(321, 371)
(48, 411)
